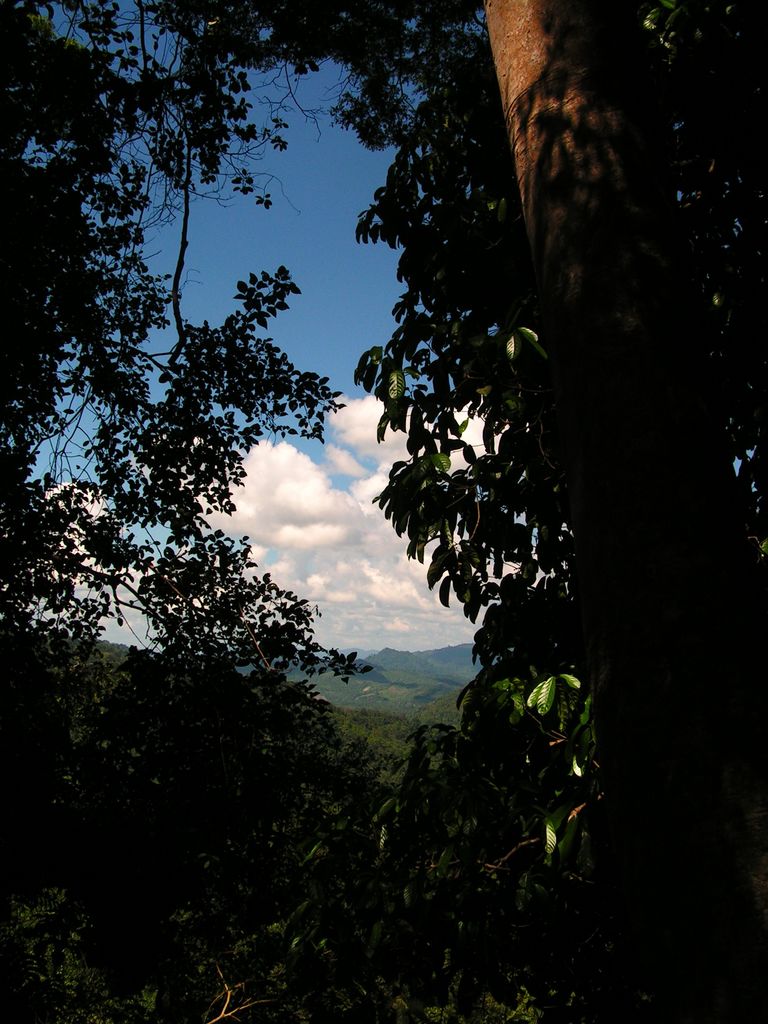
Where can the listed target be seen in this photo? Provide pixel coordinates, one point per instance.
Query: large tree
(670, 603)
(646, 229)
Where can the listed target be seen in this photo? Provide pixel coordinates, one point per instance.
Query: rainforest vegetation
(191, 832)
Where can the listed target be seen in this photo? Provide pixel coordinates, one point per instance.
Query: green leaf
(441, 461)
(550, 837)
(565, 845)
(313, 852)
(542, 696)
(513, 347)
(375, 936)
(396, 386)
(569, 680)
(445, 859)
(385, 808)
(532, 337)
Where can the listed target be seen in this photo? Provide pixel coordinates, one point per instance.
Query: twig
(477, 523)
(232, 1014)
(255, 641)
(576, 811)
(500, 865)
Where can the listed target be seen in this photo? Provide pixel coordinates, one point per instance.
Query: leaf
(385, 808)
(375, 936)
(513, 347)
(396, 386)
(445, 859)
(531, 336)
(300, 911)
(550, 837)
(569, 680)
(435, 570)
(313, 851)
(441, 461)
(565, 845)
(542, 696)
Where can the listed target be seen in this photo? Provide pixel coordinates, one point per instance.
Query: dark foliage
(116, 443)
(495, 518)
(174, 812)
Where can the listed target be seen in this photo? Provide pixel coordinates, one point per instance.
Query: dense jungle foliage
(188, 840)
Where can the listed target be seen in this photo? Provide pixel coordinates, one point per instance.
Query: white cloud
(333, 546)
(364, 491)
(288, 502)
(341, 462)
(354, 427)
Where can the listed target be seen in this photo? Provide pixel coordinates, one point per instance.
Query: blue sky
(307, 507)
(318, 185)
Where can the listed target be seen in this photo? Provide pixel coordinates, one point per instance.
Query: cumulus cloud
(354, 428)
(341, 462)
(288, 502)
(331, 545)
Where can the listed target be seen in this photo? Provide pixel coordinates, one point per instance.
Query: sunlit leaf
(550, 837)
(513, 347)
(396, 386)
(532, 338)
(569, 680)
(441, 461)
(542, 695)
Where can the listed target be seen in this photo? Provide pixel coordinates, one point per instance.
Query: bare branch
(183, 243)
(228, 1011)
(501, 865)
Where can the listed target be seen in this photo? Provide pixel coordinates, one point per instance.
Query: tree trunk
(670, 605)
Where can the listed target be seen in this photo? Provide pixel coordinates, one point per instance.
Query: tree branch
(226, 995)
(183, 243)
(500, 865)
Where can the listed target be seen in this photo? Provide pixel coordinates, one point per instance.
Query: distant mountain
(402, 680)
(396, 681)
(449, 664)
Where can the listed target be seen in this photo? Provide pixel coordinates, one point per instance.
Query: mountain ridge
(401, 680)
(387, 680)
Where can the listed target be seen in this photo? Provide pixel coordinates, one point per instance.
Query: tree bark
(671, 608)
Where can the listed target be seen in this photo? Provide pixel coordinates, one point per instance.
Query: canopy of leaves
(158, 834)
(158, 807)
(467, 345)
(490, 515)
(117, 443)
